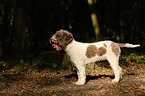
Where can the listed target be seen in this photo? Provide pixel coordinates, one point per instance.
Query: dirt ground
(60, 82)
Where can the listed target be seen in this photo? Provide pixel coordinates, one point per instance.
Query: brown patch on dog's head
(93, 51)
(61, 39)
(115, 48)
(101, 51)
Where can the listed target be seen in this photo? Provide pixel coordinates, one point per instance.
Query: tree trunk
(20, 27)
(94, 19)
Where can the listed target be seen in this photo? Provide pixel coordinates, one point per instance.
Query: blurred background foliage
(27, 25)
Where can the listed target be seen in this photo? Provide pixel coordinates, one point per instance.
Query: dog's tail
(128, 45)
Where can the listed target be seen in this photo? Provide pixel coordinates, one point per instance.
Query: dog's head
(61, 39)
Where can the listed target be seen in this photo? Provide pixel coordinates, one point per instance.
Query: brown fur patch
(93, 51)
(115, 48)
(63, 38)
(105, 45)
(101, 51)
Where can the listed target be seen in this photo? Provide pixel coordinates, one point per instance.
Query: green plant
(22, 61)
(20, 68)
(54, 65)
(3, 63)
(134, 57)
(36, 61)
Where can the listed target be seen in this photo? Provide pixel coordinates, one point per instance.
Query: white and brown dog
(85, 53)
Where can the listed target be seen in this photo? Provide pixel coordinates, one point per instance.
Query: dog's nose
(52, 40)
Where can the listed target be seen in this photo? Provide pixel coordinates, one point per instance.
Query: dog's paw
(80, 83)
(115, 80)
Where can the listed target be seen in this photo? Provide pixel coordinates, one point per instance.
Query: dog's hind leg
(116, 68)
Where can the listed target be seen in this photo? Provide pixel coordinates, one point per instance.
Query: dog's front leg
(81, 75)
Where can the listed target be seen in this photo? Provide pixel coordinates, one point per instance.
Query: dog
(85, 53)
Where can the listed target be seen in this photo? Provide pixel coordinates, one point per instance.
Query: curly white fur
(77, 51)
(85, 53)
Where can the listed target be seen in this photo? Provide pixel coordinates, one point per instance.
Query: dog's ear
(68, 38)
(65, 39)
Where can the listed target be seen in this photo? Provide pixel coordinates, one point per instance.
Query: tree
(20, 26)
(94, 19)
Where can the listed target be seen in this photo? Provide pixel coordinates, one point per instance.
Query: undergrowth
(38, 63)
(135, 58)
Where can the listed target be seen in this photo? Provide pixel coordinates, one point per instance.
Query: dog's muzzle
(54, 43)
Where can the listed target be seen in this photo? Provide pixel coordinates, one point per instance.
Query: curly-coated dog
(85, 53)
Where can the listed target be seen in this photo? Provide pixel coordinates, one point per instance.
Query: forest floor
(60, 82)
